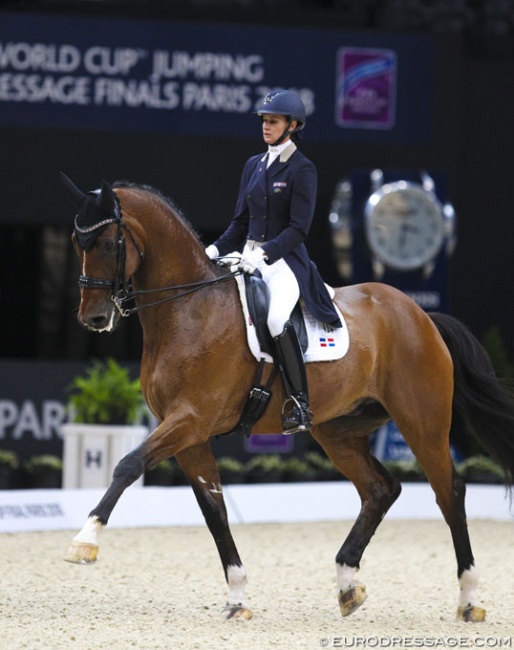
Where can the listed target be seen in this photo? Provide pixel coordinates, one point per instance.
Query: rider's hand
(252, 260)
(212, 252)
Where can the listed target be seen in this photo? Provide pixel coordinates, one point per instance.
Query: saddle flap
(258, 299)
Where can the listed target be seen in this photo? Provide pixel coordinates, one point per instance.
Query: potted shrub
(231, 470)
(105, 394)
(103, 407)
(405, 470)
(297, 470)
(480, 469)
(9, 464)
(323, 467)
(266, 468)
(162, 474)
(44, 471)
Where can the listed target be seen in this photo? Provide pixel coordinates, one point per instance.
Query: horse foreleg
(377, 489)
(199, 466)
(84, 546)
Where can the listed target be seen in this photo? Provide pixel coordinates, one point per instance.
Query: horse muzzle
(100, 319)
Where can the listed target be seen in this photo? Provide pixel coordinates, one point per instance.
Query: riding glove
(212, 252)
(252, 260)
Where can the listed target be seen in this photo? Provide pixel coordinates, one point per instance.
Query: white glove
(212, 252)
(252, 260)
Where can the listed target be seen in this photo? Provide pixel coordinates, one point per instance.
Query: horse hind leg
(428, 438)
(377, 489)
(450, 491)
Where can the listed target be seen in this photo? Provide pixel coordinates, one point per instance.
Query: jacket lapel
(279, 164)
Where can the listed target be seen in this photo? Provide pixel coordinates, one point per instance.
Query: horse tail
(485, 405)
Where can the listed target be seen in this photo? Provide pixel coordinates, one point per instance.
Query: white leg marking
(236, 578)
(346, 576)
(89, 533)
(468, 587)
(215, 489)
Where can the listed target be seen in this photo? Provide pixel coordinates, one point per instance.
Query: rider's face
(273, 126)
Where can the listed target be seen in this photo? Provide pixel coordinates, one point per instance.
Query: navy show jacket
(275, 207)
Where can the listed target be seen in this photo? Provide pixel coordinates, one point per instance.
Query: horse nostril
(99, 322)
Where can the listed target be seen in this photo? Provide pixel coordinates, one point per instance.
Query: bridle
(120, 287)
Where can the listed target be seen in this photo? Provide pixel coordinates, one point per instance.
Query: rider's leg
(284, 294)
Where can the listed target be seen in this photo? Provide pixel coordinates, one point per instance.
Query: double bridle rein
(120, 287)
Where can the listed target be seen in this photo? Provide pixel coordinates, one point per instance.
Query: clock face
(404, 225)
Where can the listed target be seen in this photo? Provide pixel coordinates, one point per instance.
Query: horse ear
(107, 199)
(75, 195)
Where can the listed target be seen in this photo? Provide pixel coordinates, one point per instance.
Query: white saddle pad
(322, 345)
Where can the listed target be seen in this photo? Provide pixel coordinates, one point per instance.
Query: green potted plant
(9, 464)
(480, 469)
(265, 468)
(105, 394)
(405, 470)
(103, 408)
(231, 470)
(323, 467)
(44, 471)
(296, 470)
(162, 474)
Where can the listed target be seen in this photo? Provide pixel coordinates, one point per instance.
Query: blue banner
(123, 75)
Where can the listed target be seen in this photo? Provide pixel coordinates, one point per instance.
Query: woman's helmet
(284, 102)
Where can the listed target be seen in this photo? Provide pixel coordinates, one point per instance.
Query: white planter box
(92, 451)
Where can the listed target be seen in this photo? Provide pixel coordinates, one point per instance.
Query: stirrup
(299, 417)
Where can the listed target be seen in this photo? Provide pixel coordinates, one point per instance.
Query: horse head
(107, 262)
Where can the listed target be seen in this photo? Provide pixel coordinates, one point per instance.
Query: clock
(405, 225)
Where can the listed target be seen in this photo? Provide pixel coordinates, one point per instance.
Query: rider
(273, 214)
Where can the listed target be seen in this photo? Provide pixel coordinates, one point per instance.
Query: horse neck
(172, 252)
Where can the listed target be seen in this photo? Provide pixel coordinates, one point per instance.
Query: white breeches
(284, 293)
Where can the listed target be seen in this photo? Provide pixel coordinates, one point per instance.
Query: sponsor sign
(108, 74)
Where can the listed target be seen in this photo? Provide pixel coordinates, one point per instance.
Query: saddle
(257, 297)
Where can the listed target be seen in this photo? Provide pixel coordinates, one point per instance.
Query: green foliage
(405, 470)
(43, 463)
(105, 395)
(323, 466)
(480, 465)
(9, 459)
(228, 465)
(495, 346)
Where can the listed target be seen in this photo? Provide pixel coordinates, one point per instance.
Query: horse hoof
(351, 598)
(81, 553)
(471, 614)
(236, 613)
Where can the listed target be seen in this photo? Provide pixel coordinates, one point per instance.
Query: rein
(120, 287)
(191, 288)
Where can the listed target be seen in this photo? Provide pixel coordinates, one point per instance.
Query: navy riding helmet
(284, 102)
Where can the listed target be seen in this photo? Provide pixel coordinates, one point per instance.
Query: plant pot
(92, 451)
(7, 477)
(49, 479)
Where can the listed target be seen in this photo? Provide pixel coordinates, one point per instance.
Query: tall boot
(296, 415)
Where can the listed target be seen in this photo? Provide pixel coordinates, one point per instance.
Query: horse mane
(165, 199)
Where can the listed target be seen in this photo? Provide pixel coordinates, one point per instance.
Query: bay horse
(197, 370)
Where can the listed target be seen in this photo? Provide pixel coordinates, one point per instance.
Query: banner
(123, 75)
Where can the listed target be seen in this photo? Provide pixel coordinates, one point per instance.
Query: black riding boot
(296, 415)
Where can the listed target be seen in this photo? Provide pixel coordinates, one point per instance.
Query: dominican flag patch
(280, 184)
(327, 342)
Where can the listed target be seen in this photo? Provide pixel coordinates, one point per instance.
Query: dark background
(472, 143)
